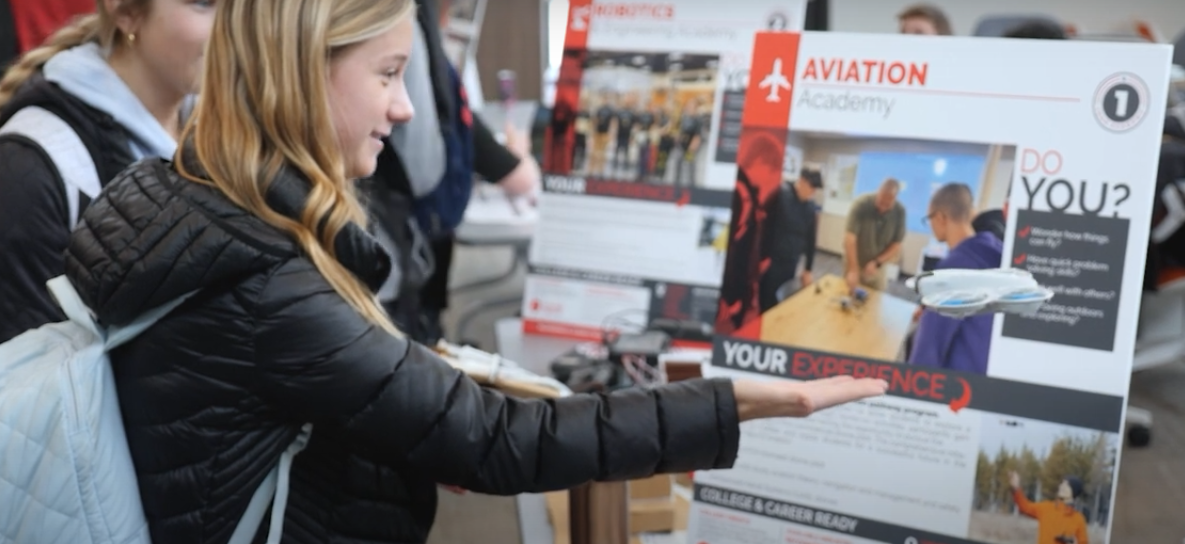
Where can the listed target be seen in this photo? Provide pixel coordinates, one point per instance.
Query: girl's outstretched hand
(765, 399)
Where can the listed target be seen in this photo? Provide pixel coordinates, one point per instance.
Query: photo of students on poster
(646, 118)
(828, 252)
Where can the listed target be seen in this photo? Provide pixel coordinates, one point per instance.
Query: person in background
(1037, 29)
(691, 135)
(424, 180)
(580, 140)
(664, 130)
(625, 124)
(1058, 521)
(793, 231)
(262, 221)
(645, 140)
(120, 79)
(604, 119)
(946, 342)
(874, 233)
(925, 19)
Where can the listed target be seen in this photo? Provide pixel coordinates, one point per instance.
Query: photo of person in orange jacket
(1058, 521)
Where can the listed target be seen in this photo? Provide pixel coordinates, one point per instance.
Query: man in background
(647, 124)
(924, 19)
(875, 231)
(792, 233)
(627, 120)
(603, 120)
(946, 342)
(691, 135)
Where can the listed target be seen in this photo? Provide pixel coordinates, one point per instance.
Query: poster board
(1069, 133)
(639, 162)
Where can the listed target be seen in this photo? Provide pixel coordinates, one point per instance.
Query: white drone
(960, 293)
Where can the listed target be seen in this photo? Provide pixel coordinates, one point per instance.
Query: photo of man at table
(819, 253)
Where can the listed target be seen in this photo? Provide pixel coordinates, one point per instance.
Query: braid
(81, 30)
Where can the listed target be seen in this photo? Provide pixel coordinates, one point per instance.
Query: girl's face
(368, 97)
(170, 39)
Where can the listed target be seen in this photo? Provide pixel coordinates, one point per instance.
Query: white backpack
(66, 474)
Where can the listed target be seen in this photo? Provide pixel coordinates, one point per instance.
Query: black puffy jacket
(214, 392)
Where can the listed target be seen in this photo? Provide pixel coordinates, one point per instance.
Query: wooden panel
(512, 39)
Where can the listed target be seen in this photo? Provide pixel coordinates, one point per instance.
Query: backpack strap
(275, 485)
(76, 310)
(65, 149)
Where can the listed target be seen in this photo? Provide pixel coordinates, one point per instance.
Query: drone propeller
(1026, 295)
(957, 302)
(1025, 300)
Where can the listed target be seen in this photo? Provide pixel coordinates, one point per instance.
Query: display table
(814, 318)
(599, 512)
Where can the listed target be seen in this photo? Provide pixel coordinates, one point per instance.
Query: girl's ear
(125, 20)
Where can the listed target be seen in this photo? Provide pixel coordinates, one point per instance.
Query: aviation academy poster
(639, 163)
(921, 154)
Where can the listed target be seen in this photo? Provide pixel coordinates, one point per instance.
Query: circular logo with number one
(1121, 102)
(777, 22)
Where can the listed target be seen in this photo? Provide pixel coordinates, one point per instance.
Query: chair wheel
(1139, 436)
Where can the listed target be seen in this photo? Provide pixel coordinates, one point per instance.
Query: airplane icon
(775, 81)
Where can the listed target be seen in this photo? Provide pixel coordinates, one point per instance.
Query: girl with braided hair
(104, 91)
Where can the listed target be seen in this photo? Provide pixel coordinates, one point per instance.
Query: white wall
(556, 18)
(1089, 16)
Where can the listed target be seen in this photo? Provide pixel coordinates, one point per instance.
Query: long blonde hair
(96, 27)
(264, 105)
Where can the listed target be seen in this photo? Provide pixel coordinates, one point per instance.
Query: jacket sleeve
(34, 232)
(322, 362)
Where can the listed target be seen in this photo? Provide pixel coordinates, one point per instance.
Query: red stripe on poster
(563, 330)
(771, 82)
(559, 141)
(762, 147)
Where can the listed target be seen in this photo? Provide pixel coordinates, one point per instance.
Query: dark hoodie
(959, 344)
